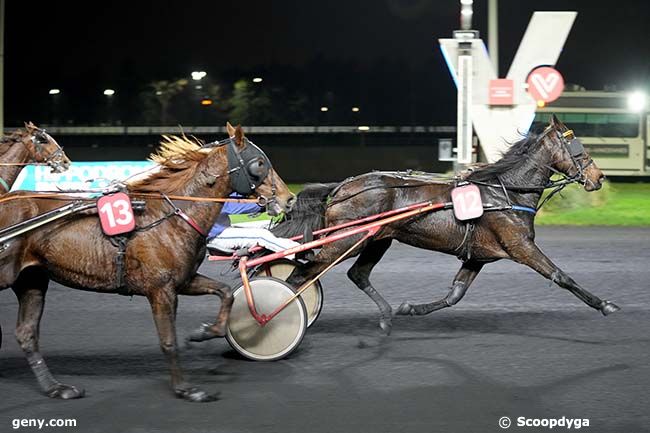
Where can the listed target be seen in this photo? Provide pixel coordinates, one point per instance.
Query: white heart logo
(545, 85)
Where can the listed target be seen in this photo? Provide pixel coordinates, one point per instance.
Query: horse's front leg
(463, 279)
(30, 290)
(530, 255)
(163, 305)
(202, 285)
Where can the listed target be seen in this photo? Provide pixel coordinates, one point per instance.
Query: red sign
(500, 92)
(116, 214)
(467, 202)
(545, 84)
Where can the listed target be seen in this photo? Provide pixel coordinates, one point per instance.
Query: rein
(65, 195)
(22, 163)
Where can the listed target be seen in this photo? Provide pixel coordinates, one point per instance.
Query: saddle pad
(467, 202)
(116, 214)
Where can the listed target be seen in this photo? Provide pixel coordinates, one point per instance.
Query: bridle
(248, 168)
(54, 159)
(36, 149)
(35, 146)
(577, 153)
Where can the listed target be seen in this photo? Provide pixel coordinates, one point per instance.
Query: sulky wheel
(312, 297)
(280, 336)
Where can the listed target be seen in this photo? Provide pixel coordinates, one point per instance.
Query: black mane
(518, 153)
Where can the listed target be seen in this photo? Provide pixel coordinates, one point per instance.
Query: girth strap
(464, 250)
(120, 263)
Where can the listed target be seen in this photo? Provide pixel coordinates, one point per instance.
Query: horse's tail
(308, 212)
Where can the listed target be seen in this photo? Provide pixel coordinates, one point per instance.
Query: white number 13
(124, 215)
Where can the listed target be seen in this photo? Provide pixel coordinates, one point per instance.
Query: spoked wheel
(280, 336)
(312, 296)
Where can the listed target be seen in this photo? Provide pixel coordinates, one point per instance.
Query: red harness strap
(188, 219)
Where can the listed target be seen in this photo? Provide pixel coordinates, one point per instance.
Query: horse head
(252, 174)
(570, 157)
(44, 149)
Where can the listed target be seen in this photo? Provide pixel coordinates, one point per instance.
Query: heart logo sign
(545, 84)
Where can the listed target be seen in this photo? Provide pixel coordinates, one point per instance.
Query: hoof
(405, 310)
(65, 392)
(205, 332)
(386, 325)
(194, 394)
(607, 307)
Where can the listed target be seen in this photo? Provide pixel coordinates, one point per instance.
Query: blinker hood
(248, 168)
(575, 147)
(573, 143)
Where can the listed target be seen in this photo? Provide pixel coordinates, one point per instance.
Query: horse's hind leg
(163, 305)
(359, 273)
(530, 255)
(30, 289)
(462, 281)
(202, 285)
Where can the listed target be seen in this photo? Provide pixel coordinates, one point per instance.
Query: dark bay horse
(30, 145)
(161, 256)
(518, 180)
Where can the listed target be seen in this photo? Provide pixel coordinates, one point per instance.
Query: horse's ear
(239, 135)
(229, 129)
(30, 126)
(554, 121)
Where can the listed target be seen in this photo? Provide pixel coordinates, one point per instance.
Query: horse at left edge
(29, 146)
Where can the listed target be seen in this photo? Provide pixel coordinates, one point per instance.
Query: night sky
(380, 54)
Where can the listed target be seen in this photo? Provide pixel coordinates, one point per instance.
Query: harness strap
(465, 247)
(505, 191)
(188, 219)
(524, 209)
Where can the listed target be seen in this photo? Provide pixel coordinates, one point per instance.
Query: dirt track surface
(514, 346)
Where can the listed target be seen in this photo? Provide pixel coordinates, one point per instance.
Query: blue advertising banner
(81, 175)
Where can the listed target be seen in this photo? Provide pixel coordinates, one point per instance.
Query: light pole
(55, 95)
(2, 65)
(465, 36)
(493, 33)
(198, 94)
(109, 93)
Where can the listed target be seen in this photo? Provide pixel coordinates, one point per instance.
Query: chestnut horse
(513, 186)
(31, 145)
(162, 254)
